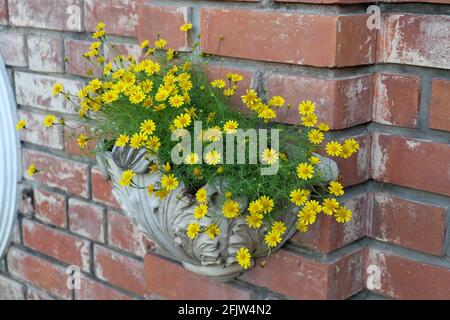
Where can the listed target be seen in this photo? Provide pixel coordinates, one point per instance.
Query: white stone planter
(165, 221)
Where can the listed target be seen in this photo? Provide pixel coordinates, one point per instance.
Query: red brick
(38, 271)
(119, 270)
(71, 146)
(324, 1)
(125, 49)
(38, 133)
(57, 172)
(86, 219)
(326, 235)
(305, 278)
(10, 289)
(45, 53)
(120, 16)
(318, 40)
(403, 278)
(250, 81)
(35, 90)
(76, 64)
(396, 100)
(57, 244)
(102, 188)
(170, 281)
(440, 105)
(66, 16)
(35, 294)
(91, 289)
(51, 207)
(410, 224)
(165, 21)
(3, 12)
(124, 234)
(12, 48)
(341, 103)
(422, 40)
(414, 163)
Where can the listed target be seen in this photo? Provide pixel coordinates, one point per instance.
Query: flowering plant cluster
(142, 103)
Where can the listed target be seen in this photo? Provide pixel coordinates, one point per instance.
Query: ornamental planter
(165, 220)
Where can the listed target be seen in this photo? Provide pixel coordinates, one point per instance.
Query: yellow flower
(144, 44)
(306, 107)
(267, 114)
(191, 158)
(266, 204)
(213, 134)
(197, 173)
(160, 43)
(314, 160)
(176, 101)
(299, 196)
(352, 144)
(269, 156)
(169, 182)
(313, 205)
(192, 230)
(276, 101)
(167, 167)
(21, 124)
(343, 214)
(307, 216)
(137, 140)
(279, 227)
(31, 169)
(122, 140)
(323, 127)
(212, 231)
(153, 143)
(200, 211)
(100, 26)
(110, 96)
(254, 220)
(230, 126)
(243, 257)
(201, 195)
(234, 77)
(126, 178)
(82, 141)
(255, 207)
(219, 83)
(148, 126)
(182, 121)
(137, 97)
(305, 171)
(57, 89)
(229, 92)
(272, 239)
(213, 157)
(336, 188)
(230, 209)
(330, 206)
(186, 27)
(309, 120)
(302, 226)
(333, 148)
(107, 69)
(98, 34)
(315, 136)
(150, 189)
(49, 120)
(346, 151)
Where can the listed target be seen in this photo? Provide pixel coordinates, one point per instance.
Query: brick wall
(389, 88)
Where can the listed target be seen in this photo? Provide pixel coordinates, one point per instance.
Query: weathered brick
(440, 105)
(38, 271)
(35, 90)
(3, 12)
(86, 219)
(422, 40)
(120, 16)
(410, 224)
(396, 100)
(37, 133)
(120, 270)
(404, 278)
(77, 64)
(57, 172)
(35, 294)
(71, 134)
(45, 53)
(170, 280)
(126, 49)
(305, 278)
(45, 14)
(51, 207)
(57, 244)
(414, 163)
(327, 235)
(251, 34)
(13, 48)
(341, 103)
(165, 21)
(102, 188)
(124, 234)
(11, 289)
(91, 289)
